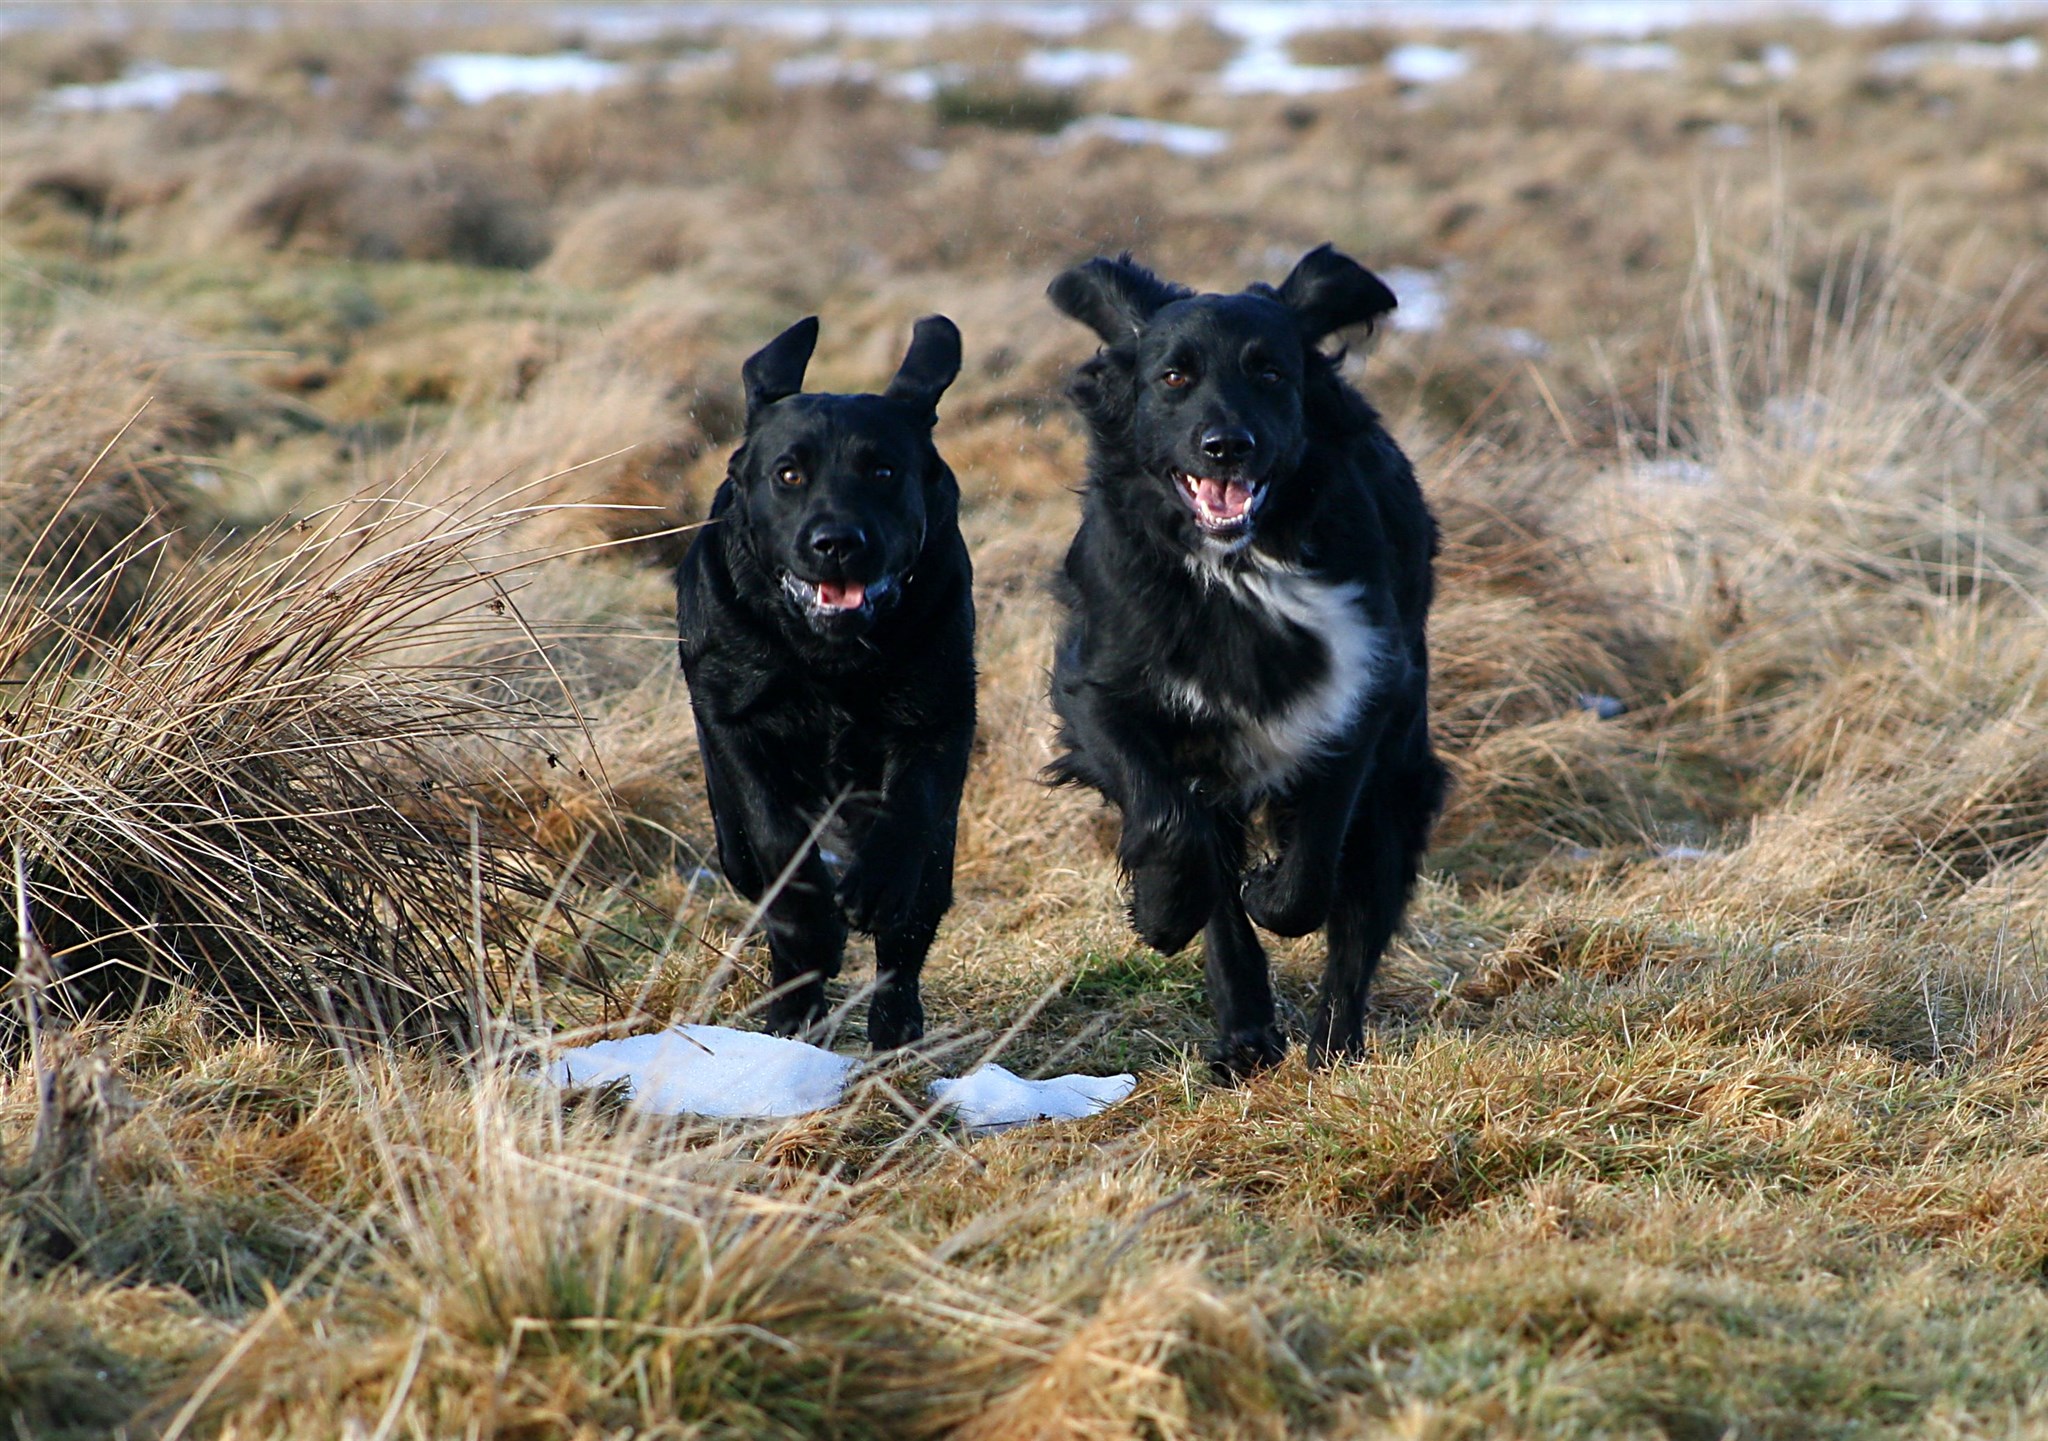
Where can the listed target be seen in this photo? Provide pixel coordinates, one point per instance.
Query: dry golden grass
(1708, 1093)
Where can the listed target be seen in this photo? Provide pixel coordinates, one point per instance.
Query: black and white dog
(826, 623)
(1246, 600)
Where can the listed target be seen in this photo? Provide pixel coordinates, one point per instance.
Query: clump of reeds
(274, 784)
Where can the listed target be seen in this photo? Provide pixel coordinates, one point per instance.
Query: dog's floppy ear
(929, 366)
(1113, 298)
(1328, 291)
(777, 368)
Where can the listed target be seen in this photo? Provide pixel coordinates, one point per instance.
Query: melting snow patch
(1427, 64)
(1067, 68)
(1423, 304)
(1645, 56)
(1729, 135)
(146, 86)
(474, 77)
(923, 84)
(710, 1071)
(990, 1097)
(1516, 341)
(1134, 130)
(1903, 60)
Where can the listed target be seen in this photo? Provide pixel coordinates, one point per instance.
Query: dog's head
(1206, 397)
(837, 492)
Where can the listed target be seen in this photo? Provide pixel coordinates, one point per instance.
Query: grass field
(346, 430)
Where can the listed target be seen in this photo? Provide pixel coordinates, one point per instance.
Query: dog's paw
(895, 1017)
(1287, 903)
(794, 1012)
(1240, 1054)
(877, 891)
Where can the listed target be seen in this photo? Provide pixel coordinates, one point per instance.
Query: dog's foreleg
(766, 848)
(1240, 986)
(1168, 845)
(1291, 894)
(899, 884)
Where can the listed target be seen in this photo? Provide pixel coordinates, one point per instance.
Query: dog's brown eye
(1176, 380)
(789, 475)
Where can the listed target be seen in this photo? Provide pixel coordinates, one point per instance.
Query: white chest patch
(1272, 746)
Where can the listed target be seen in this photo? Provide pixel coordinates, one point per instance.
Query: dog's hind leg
(1381, 855)
(1240, 985)
(760, 832)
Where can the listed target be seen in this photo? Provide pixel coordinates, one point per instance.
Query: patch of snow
(1427, 64)
(991, 1098)
(924, 157)
(1515, 340)
(924, 84)
(1780, 62)
(1899, 61)
(1603, 707)
(474, 77)
(145, 86)
(1641, 58)
(1068, 68)
(1423, 304)
(1263, 68)
(1686, 853)
(710, 1071)
(1729, 135)
(1136, 130)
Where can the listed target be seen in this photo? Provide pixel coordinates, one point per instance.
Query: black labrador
(826, 623)
(1245, 600)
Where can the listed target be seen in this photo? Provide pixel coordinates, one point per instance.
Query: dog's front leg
(1291, 894)
(1169, 842)
(899, 883)
(766, 848)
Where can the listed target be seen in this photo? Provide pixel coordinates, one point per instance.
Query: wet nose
(835, 541)
(1230, 444)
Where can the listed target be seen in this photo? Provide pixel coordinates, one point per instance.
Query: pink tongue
(1223, 499)
(835, 595)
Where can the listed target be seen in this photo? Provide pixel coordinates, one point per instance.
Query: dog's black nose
(836, 540)
(1231, 444)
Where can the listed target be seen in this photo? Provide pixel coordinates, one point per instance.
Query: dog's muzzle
(825, 599)
(1224, 509)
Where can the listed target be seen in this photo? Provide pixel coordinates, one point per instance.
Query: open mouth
(834, 597)
(1221, 507)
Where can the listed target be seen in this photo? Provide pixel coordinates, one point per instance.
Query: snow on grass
(1423, 304)
(146, 86)
(1427, 64)
(1899, 61)
(474, 77)
(710, 1071)
(1136, 130)
(719, 1072)
(991, 1098)
(1646, 57)
(1068, 68)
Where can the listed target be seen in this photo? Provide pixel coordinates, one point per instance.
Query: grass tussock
(272, 785)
